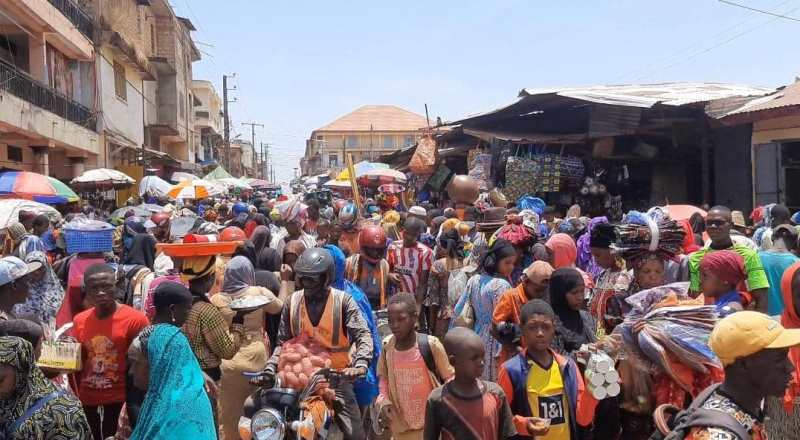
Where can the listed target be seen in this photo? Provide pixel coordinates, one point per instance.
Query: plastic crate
(88, 241)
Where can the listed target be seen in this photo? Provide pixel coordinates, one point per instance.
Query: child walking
(411, 365)
(547, 394)
(467, 407)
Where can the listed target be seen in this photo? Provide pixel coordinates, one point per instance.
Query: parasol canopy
(683, 212)
(337, 184)
(362, 168)
(179, 176)
(258, 183)
(194, 189)
(381, 177)
(102, 179)
(10, 208)
(36, 187)
(144, 210)
(154, 185)
(232, 182)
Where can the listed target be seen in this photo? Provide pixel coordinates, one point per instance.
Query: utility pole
(226, 120)
(253, 126)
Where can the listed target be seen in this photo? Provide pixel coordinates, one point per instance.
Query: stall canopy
(102, 179)
(154, 185)
(217, 174)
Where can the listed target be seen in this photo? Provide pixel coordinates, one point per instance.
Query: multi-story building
(365, 133)
(47, 88)
(207, 121)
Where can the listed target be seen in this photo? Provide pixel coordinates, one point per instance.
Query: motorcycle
(287, 414)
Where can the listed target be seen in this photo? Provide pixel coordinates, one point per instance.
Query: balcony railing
(82, 21)
(201, 114)
(21, 85)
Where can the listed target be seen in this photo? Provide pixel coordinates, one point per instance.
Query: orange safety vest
(330, 332)
(353, 271)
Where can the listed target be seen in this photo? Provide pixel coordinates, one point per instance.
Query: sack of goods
(641, 234)
(299, 360)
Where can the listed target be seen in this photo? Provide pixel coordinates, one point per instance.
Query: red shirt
(410, 263)
(104, 343)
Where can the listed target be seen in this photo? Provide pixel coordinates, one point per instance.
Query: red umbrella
(683, 212)
(381, 177)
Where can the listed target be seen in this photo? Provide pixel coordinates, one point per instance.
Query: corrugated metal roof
(784, 97)
(648, 95)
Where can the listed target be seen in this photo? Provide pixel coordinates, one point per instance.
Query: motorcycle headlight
(267, 424)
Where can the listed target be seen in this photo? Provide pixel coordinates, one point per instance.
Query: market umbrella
(10, 208)
(232, 182)
(140, 211)
(362, 168)
(683, 212)
(194, 189)
(381, 177)
(258, 183)
(180, 175)
(337, 184)
(36, 187)
(102, 179)
(154, 185)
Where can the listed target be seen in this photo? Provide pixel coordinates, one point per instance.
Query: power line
(727, 2)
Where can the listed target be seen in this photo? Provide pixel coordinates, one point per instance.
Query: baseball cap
(12, 269)
(744, 333)
(417, 210)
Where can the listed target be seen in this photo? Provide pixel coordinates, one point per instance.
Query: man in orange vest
(332, 319)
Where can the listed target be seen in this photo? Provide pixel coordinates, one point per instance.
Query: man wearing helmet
(348, 225)
(369, 268)
(331, 318)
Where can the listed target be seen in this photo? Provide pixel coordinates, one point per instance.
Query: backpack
(696, 416)
(427, 356)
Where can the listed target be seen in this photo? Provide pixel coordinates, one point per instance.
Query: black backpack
(427, 355)
(696, 416)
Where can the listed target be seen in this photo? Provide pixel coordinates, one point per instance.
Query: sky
(301, 64)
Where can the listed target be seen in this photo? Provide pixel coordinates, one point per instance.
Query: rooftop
(377, 118)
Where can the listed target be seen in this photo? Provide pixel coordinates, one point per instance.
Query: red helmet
(160, 218)
(232, 233)
(372, 236)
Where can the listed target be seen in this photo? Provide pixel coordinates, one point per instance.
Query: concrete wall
(28, 160)
(59, 31)
(136, 24)
(122, 116)
(733, 183)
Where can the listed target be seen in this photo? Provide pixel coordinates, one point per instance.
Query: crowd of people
(453, 322)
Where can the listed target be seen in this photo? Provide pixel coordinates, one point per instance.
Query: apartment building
(207, 121)
(365, 133)
(47, 88)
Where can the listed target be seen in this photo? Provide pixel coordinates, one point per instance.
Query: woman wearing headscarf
(176, 404)
(366, 388)
(612, 282)
(292, 252)
(782, 419)
(138, 267)
(522, 237)
(45, 292)
(239, 282)
(563, 252)
(260, 238)
(32, 408)
(585, 260)
(481, 295)
(574, 326)
(23, 241)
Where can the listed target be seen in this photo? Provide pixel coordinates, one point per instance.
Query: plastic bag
(423, 161)
(299, 360)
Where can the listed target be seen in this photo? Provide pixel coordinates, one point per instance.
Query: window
(333, 160)
(153, 38)
(120, 84)
(181, 105)
(352, 141)
(409, 141)
(388, 142)
(14, 154)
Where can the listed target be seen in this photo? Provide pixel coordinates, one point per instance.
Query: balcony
(76, 15)
(201, 114)
(21, 85)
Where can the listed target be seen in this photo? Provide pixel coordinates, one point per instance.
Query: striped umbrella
(194, 189)
(36, 187)
(381, 176)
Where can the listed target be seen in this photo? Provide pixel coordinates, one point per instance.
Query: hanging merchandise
(438, 181)
(423, 162)
(480, 167)
(521, 172)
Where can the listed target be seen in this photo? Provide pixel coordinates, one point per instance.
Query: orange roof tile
(379, 118)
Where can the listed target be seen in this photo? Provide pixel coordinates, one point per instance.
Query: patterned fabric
(719, 402)
(61, 418)
(208, 335)
(483, 292)
(46, 293)
(611, 287)
(176, 404)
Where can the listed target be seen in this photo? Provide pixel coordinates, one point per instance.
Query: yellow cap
(744, 333)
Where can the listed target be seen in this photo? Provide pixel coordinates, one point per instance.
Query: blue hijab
(366, 389)
(176, 404)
